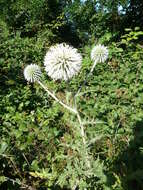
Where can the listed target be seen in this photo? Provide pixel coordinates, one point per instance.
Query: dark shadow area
(129, 165)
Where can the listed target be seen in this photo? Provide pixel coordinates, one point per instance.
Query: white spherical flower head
(62, 62)
(32, 73)
(99, 53)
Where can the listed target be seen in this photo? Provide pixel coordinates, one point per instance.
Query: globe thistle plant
(99, 53)
(32, 73)
(62, 62)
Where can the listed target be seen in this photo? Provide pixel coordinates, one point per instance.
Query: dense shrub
(38, 138)
(40, 145)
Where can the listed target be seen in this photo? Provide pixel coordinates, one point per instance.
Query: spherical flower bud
(32, 73)
(99, 53)
(62, 62)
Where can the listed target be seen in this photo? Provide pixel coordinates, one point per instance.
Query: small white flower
(62, 62)
(99, 53)
(32, 73)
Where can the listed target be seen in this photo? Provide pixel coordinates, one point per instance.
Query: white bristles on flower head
(99, 53)
(32, 73)
(62, 62)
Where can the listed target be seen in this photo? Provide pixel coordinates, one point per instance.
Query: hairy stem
(72, 111)
(59, 101)
(85, 81)
(83, 139)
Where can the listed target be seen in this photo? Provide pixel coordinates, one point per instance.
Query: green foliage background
(39, 144)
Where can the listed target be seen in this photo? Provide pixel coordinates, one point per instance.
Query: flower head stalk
(99, 54)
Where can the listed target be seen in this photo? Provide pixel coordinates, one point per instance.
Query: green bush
(40, 147)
